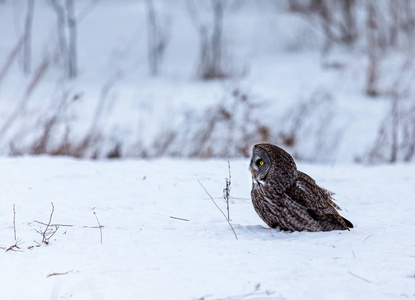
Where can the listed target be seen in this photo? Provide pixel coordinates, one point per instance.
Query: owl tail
(348, 223)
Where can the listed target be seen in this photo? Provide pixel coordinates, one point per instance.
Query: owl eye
(259, 162)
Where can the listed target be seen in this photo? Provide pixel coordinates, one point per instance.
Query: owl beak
(252, 171)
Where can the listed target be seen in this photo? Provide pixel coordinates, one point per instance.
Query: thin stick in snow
(368, 237)
(219, 209)
(99, 225)
(14, 221)
(58, 225)
(227, 190)
(66, 225)
(181, 219)
(58, 274)
(16, 241)
(46, 240)
(48, 232)
(361, 278)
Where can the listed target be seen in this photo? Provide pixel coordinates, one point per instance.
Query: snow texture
(148, 254)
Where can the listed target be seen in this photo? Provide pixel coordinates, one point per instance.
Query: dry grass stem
(361, 278)
(227, 190)
(368, 238)
(219, 209)
(99, 226)
(181, 219)
(57, 274)
(14, 221)
(54, 225)
(17, 242)
(48, 232)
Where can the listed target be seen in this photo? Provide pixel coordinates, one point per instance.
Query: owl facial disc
(260, 164)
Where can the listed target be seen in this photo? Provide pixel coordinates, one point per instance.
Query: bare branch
(50, 218)
(15, 247)
(227, 190)
(48, 232)
(58, 274)
(58, 225)
(368, 238)
(27, 55)
(99, 226)
(181, 219)
(361, 278)
(17, 242)
(14, 221)
(219, 209)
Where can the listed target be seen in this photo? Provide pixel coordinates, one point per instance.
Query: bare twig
(235, 198)
(227, 190)
(14, 221)
(99, 226)
(181, 219)
(33, 246)
(361, 278)
(66, 225)
(27, 53)
(57, 274)
(50, 220)
(54, 225)
(93, 227)
(17, 241)
(219, 209)
(15, 246)
(368, 238)
(48, 232)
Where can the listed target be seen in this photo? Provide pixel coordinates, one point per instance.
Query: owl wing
(278, 210)
(317, 201)
(318, 197)
(297, 217)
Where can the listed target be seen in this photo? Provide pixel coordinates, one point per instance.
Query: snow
(277, 67)
(163, 238)
(147, 254)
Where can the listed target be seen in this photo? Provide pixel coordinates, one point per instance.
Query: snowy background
(173, 89)
(327, 80)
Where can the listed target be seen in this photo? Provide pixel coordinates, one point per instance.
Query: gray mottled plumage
(288, 199)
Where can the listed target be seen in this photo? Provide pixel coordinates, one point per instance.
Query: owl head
(271, 164)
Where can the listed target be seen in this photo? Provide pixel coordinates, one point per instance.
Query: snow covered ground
(163, 238)
(147, 254)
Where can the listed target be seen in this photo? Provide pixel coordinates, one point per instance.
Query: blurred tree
(210, 64)
(27, 51)
(67, 34)
(157, 36)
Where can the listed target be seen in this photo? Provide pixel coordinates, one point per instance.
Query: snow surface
(146, 254)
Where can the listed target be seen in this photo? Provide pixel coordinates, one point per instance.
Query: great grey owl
(288, 199)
